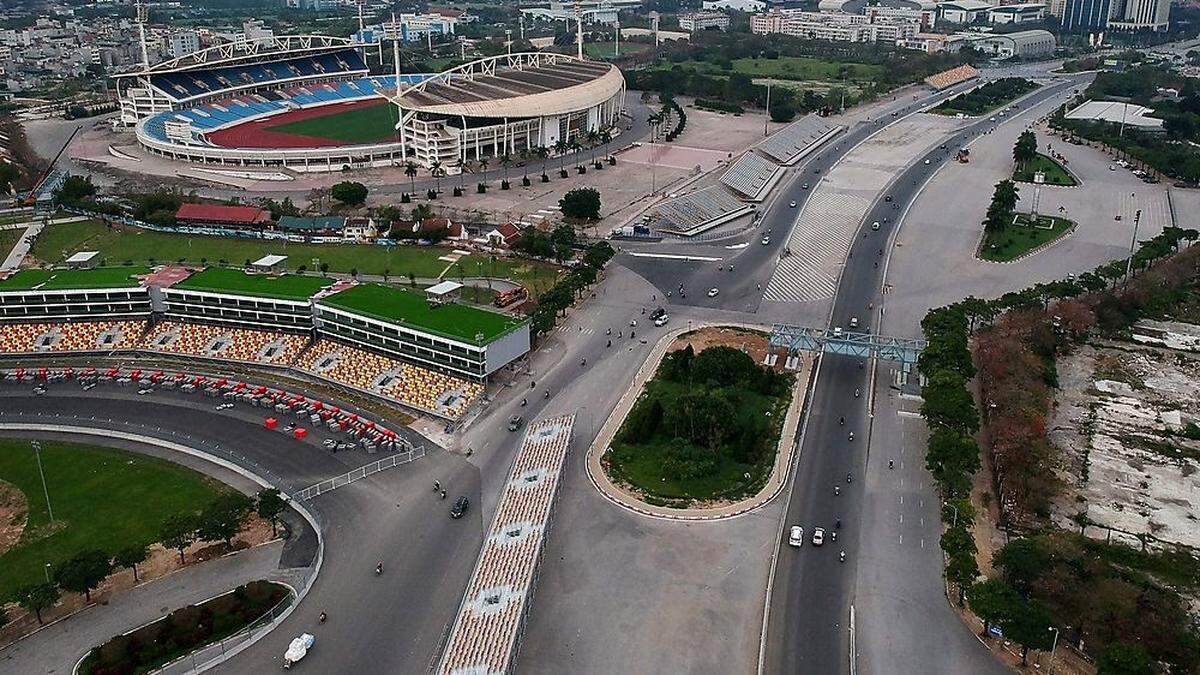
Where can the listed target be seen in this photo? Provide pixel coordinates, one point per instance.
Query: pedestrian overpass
(796, 339)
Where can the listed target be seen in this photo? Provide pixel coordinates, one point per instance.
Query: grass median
(101, 498)
(1024, 235)
(1054, 173)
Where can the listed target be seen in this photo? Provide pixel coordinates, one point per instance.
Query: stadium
(309, 103)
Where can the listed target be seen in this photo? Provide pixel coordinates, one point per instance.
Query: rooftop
(396, 305)
(64, 280)
(237, 282)
(222, 213)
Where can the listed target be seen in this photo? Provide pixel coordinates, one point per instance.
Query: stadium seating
(792, 141)
(82, 336)
(223, 342)
(417, 387)
(190, 84)
(751, 175)
(691, 212)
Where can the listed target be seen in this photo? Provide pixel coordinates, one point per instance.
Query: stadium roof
(516, 85)
(1130, 114)
(221, 213)
(399, 306)
(237, 282)
(64, 280)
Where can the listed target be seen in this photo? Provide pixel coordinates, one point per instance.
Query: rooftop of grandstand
(752, 175)
(797, 139)
(539, 81)
(696, 211)
(69, 280)
(949, 78)
(209, 80)
(222, 213)
(397, 305)
(237, 282)
(311, 223)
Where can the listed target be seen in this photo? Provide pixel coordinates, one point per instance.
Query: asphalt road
(753, 265)
(387, 624)
(808, 627)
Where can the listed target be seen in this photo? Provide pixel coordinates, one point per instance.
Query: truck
(298, 649)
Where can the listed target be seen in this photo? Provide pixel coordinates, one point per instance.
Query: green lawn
(362, 125)
(410, 307)
(119, 245)
(607, 50)
(1020, 238)
(791, 68)
(988, 97)
(9, 239)
(286, 286)
(101, 499)
(1055, 173)
(62, 279)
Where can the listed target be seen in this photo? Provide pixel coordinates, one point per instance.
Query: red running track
(258, 133)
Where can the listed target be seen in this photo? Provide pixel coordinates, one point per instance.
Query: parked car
(460, 507)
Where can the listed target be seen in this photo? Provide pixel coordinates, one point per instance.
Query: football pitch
(367, 124)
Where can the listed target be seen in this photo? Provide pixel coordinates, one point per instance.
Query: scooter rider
(379, 568)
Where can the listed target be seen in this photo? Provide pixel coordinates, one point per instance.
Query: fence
(217, 651)
(360, 473)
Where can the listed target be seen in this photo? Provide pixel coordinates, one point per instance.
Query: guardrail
(203, 656)
(359, 473)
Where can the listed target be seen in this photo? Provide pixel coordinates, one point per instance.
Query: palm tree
(542, 152)
(524, 165)
(560, 147)
(410, 170)
(462, 175)
(435, 168)
(575, 148)
(483, 166)
(593, 139)
(505, 160)
(606, 138)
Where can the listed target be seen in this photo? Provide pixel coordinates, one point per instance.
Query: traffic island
(706, 431)
(1027, 235)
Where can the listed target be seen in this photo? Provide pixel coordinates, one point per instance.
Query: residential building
(1027, 12)
(1152, 15)
(183, 43)
(964, 11)
(834, 26)
(694, 21)
(933, 43)
(925, 18)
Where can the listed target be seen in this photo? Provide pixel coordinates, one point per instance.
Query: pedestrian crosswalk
(818, 244)
(576, 329)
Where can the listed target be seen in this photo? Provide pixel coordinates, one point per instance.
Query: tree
(348, 192)
(992, 601)
(131, 556)
(269, 505)
(410, 170)
(1021, 561)
(962, 570)
(223, 517)
(1025, 149)
(581, 204)
(421, 212)
(783, 111)
(1029, 626)
(957, 540)
(179, 532)
(1123, 658)
(36, 597)
(83, 572)
(949, 403)
(74, 189)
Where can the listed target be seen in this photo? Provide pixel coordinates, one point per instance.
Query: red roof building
(221, 214)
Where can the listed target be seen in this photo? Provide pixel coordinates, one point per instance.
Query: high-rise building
(1142, 15)
(1086, 15)
(183, 43)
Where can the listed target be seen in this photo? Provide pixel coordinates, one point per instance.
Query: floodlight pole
(1137, 217)
(37, 453)
(399, 110)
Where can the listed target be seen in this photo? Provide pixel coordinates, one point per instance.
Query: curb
(615, 495)
(225, 464)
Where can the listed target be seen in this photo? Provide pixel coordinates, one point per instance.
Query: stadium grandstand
(309, 103)
(949, 78)
(697, 212)
(795, 141)
(752, 176)
(432, 355)
(487, 632)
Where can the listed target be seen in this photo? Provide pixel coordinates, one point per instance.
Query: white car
(766, 240)
(804, 187)
(818, 536)
(712, 292)
(662, 320)
(854, 322)
(875, 225)
(796, 536)
(792, 204)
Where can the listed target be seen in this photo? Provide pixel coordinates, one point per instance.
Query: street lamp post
(37, 453)
(1137, 217)
(1053, 646)
(46, 569)
(955, 520)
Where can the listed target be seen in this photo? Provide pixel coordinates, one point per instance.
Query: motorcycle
(852, 435)
(379, 569)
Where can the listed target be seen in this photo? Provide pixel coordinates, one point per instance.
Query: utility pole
(37, 453)
(508, 40)
(395, 30)
(617, 51)
(579, 29)
(1137, 217)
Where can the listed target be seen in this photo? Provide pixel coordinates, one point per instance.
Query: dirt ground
(14, 513)
(160, 563)
(754, 344)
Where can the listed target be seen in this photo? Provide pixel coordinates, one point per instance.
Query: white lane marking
(672, 256)
(734, 247)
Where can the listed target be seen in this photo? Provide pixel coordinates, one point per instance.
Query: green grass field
(607, 50)
(102, 498)
(1054, 172)
(1020, 238)
(361, 125)
(286, 286)
(793, 68)
(61, 280)
(119, 245)
(398, 304)
(9, 239)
